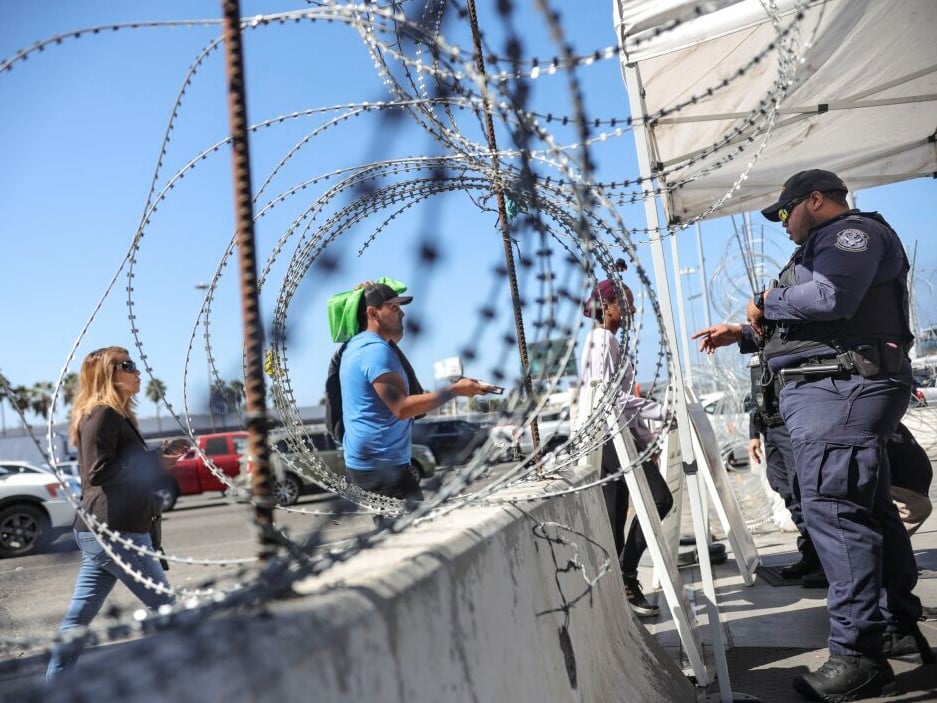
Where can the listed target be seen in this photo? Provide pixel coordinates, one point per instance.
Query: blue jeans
(96, 578)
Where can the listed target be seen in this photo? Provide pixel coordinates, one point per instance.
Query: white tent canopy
(860, 100)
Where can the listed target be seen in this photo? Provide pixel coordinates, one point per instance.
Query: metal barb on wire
(505, 231)
(254, 391)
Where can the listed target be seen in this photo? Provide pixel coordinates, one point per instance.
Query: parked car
(34, 508)
(291, 467)
(730, 424)
(452, 440)
(925, 390)
(70, 468)
(552, 425)
(191, 475)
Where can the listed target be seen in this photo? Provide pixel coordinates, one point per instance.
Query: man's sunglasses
(785, 212)
(128, 366)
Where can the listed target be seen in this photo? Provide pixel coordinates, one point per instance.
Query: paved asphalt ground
(35, 590)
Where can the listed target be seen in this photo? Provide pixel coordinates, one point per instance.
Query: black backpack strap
(334, 422)
(412, 381)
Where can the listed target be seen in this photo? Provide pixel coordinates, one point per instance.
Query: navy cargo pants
(779, 470)
(839, 426)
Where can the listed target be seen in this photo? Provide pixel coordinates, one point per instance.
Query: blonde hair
(96, 387)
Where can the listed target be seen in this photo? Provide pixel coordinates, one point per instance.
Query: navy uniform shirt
(834, 269)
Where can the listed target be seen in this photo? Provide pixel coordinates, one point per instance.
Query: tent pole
(681, 313)
(704, 281)
(912, 304)
(690, 469)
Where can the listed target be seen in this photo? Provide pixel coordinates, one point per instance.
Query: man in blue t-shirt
(377, 407)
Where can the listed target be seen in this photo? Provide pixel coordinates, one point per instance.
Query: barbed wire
(571, 236)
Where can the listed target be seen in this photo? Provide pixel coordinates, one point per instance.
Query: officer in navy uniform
(836, 331)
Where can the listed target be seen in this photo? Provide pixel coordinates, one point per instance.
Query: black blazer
(118, 472)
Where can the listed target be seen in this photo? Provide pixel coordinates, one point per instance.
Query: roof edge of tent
(644, 35)
(919, 161)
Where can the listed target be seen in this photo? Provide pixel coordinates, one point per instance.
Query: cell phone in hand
(492, 388)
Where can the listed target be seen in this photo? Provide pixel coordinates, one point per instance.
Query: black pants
(616, 500)
(399, 482)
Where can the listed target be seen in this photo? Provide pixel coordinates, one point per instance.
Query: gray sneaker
(639, 604)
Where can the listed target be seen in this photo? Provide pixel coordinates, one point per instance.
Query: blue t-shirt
(374, 438)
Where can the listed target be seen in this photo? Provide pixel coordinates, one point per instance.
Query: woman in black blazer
(118, 477)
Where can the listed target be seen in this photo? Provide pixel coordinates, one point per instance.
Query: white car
(34, 508)
(68, 468)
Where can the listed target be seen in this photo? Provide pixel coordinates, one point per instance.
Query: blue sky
(82, 123)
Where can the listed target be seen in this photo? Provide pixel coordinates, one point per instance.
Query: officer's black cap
(802, 184)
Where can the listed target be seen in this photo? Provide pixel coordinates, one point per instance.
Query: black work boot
(847, 678)
(800, 568)
(907, 640)
(815, 579)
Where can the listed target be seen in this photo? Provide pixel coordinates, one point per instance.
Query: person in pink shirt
(601, 358)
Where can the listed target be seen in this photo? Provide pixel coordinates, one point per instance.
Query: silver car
(292, 468)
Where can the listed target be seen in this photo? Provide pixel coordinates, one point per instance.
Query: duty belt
(774, 420)
(816, 368)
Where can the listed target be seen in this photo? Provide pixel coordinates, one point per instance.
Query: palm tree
(40, 398)
(5, 391)
(218, 397)
(156, 391)
(69, 388)
(19, 399)
(237, 394)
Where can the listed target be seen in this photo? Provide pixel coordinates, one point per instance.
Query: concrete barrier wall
(484, 605)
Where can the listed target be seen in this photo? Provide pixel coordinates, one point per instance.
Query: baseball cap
(802, 184)
(379, 293)
(604, 291)
(344, 308)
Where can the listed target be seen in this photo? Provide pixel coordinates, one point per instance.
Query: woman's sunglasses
(128, 366)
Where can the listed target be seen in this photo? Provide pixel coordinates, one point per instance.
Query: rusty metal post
(505, 230)
(254, 391)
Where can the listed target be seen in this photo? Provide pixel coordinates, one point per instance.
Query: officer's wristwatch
(760, 300)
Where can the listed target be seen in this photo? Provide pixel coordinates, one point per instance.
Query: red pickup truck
(190, 475)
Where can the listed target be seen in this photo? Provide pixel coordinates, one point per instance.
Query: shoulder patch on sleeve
(853, 240)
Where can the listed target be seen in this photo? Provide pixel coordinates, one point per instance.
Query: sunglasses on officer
(785, 212)
(129, 366)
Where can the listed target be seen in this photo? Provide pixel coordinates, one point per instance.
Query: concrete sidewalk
(773, 633)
